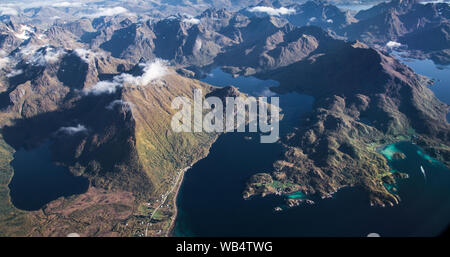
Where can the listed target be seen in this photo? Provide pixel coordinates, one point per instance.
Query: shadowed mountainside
(83, 85)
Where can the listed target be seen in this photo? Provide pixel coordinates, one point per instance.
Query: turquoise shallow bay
(389, 151)
(297, 195)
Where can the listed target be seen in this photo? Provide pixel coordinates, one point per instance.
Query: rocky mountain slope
(404, 21)
(322, 14)
(98, 89)
(109, 121)
(371, 100)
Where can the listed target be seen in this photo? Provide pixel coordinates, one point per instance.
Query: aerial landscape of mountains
(88, 86)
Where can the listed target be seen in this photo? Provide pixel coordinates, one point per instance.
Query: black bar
(271, 246)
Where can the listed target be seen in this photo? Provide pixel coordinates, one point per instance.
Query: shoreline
(170, 231)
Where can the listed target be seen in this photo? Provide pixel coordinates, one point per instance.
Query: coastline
(169, 232)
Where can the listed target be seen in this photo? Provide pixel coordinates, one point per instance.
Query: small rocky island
(398, 156)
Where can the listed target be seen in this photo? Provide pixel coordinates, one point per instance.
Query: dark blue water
(294, 105)
(210, 201)
(37, 180)
(440, 73)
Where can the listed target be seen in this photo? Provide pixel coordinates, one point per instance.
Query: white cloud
(119, 102)
(28, 50)
(52, 55)
(434, 2)
(330, 21)
(14, 73)
(273, 11)
(103, 87)
(172, 17)
(393, 44)
(312, 19)
(152, 71)
(67, 4)
(41, 55)
(267, 92)
(109, 12)
(8, 11)
(192, 20)
(83, 54)
(73, 130)
(21, 5)
(4, 61)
